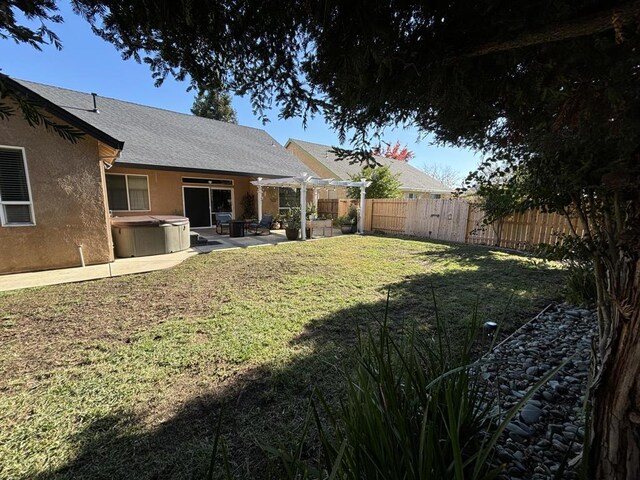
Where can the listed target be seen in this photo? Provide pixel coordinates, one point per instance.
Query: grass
(126, 377)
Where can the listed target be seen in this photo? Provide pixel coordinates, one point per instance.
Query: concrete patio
(128, 266)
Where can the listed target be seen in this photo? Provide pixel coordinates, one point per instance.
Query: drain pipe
(81, 255)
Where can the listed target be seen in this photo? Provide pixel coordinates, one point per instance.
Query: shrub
(350, 218)
(580, 286)
(248, 206)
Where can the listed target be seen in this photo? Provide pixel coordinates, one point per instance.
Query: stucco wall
(165, 190)
(68, 201)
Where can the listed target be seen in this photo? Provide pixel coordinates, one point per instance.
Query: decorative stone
(550, 423)
(530, 414)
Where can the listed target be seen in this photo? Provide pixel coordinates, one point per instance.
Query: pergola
(306, 181)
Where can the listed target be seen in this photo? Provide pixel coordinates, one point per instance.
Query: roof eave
(149, 166)
(65, 116)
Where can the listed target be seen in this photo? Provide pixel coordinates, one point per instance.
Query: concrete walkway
(127, 266)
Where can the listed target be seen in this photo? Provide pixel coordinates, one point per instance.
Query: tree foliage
(214, 104)
(16, 19)
(384, 183)
(498, 197)
(13, 26)
(395, 152)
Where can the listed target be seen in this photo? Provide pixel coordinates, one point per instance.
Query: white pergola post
(316, 194)
(259, 200)
(303, 208)
(363, 188)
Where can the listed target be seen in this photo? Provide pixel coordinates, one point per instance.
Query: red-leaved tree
(396, 152)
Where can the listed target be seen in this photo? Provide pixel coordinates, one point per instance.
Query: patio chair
(222, 223)
(263, 227)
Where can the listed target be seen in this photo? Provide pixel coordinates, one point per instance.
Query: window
(127, 192)
(16, 207)
(411, 196)
(288, 198)
(436, 196)
(208, 181)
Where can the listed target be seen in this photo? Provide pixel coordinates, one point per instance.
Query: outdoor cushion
(222, 223)
(264, 226)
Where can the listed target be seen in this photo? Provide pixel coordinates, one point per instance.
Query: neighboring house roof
(412, 179)
(158, 138)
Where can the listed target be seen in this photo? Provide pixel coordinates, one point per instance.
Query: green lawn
(125, 377)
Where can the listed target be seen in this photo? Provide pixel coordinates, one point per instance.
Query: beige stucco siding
(68, 202)
(165, 190)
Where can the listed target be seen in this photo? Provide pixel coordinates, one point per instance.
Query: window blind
(13, 178)
(15, 202)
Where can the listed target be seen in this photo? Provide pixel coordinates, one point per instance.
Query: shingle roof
(162, 138)
(412, 179)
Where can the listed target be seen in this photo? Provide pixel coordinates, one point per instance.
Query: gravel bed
(549, 429)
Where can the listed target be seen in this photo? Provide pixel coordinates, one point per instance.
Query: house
(57, 197)
(324, 163)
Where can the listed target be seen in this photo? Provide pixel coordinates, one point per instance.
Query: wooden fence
(455, 220)
(335, 208)
(520, 231)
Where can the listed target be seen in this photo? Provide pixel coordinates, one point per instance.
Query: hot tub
(149, 235)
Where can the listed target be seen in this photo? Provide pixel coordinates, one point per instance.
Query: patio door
(221, 202)
(196, 206)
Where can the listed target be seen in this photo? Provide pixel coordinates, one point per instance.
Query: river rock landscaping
(548, 432)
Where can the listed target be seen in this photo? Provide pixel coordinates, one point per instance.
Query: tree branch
(599, 22)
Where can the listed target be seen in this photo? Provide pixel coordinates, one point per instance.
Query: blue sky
(90, 64)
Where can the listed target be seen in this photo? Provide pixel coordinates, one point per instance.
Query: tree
(497, 196)
(396, 152)
(11, 99)
(549, 89)
(214, 104)
(384, 184)
(445, 174)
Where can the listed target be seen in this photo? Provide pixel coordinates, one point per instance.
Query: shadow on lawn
(269, 403)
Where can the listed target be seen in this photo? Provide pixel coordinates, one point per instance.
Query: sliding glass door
(202, 204)
(221, 202)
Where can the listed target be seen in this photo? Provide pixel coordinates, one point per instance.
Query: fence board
(328, 208)
(454, 220)
(368, 210)
(388, 215)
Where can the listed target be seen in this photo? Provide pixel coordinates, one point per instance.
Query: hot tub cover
(148, 221)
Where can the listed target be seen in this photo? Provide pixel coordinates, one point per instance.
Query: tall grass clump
(581, 283)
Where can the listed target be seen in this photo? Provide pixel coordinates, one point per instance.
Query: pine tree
(214, 104)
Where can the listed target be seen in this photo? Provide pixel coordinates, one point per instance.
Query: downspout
(107, 162)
